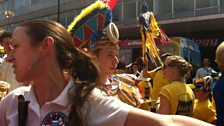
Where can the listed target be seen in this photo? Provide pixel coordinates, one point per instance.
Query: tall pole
(7, 24)
(58, 11)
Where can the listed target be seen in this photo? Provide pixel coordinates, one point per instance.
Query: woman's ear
(95, 59)
(47, 45)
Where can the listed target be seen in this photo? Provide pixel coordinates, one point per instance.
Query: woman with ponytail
(62, 76)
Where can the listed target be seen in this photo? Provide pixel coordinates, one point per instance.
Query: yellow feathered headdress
(91, 24)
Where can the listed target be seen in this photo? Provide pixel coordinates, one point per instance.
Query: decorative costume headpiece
(93, 27)
(206, 83)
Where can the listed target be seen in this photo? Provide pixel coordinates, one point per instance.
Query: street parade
(85, 72)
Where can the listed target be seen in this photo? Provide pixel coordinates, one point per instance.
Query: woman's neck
(49, 87)
(204, 96)
(103, 78)
(179, 79)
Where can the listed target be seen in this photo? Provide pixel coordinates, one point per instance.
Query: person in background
(176, 97)
(139, 61)
(135, 69)
(205, 70)
(2, 53)
(6, 68)
(121, 68)
(190, 75)
(219, 86)
(203, 108)
(158, 78)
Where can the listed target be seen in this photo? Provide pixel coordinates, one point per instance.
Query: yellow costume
(180, 97)
(204, 111)
(158, 82)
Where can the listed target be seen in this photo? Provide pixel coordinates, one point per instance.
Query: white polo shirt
(101, 110)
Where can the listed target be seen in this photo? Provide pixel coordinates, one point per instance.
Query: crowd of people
(57, 83)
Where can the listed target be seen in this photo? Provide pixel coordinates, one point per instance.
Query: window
(117, 13)
(222, 2)
(21, 3)
(2, 9)
(163, 7)
(71, 15)
(38, 1)
(130, 10)
(149, 4)
(53, 17)
(206, 3)
(125, 56)
(34, 1)
(8, 5)
(63, 19)
(183, 5)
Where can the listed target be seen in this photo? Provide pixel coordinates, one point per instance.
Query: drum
(4, 89)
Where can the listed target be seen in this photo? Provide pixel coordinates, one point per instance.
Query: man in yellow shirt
(157, 75)
(158, 78)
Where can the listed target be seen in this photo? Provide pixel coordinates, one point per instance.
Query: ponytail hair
(85, 74)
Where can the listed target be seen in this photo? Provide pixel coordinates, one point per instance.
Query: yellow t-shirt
(158, 82)
(180, 97)
(204, 111)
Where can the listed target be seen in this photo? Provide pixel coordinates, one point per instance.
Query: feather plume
(90, 23)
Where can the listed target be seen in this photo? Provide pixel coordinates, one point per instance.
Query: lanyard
(22, 110)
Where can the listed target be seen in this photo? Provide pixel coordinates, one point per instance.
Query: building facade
(200, 20)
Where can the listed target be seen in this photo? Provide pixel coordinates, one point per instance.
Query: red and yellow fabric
(154, 28)
(150, 46)
(110, 3)
(149, 33)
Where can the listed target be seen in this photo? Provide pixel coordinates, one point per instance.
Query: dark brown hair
(5, 34)
(70, 59)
